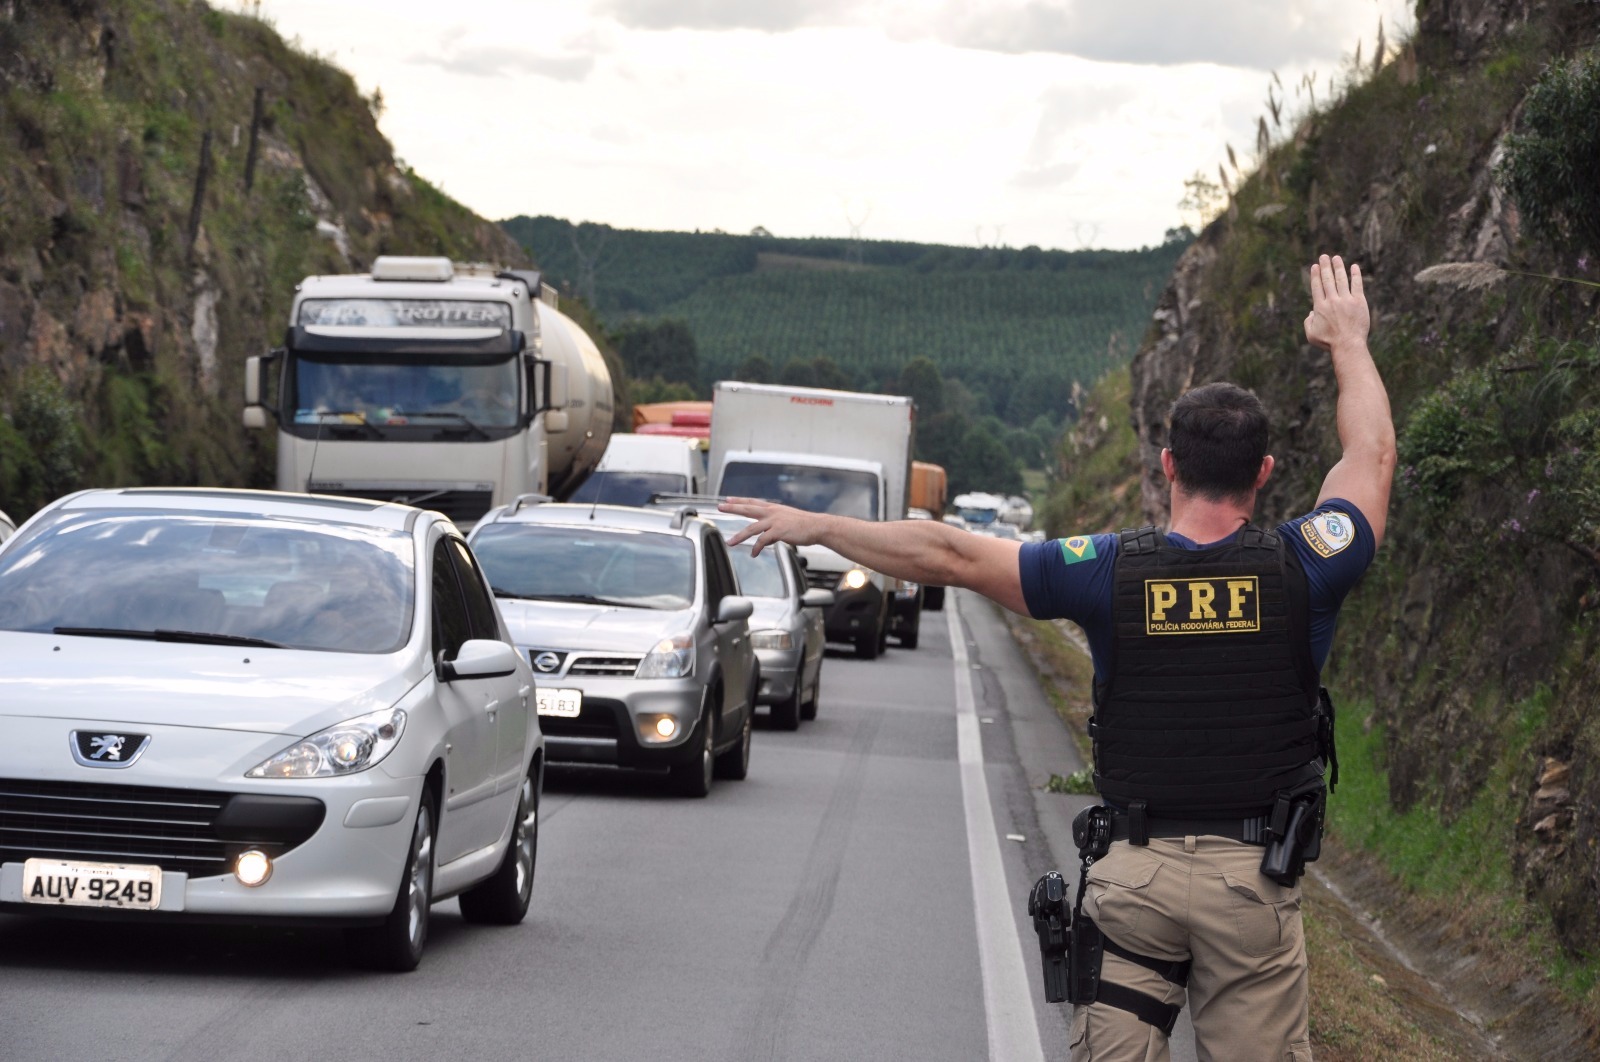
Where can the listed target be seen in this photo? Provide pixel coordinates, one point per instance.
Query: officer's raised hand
(1339, 315)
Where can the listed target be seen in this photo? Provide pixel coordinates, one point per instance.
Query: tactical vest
(1210, 705)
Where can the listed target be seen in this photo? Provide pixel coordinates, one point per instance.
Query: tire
(734, 764)
(693, 779)
(933, 598)
(870, 644)
(397, 944)
(883, 636)
(787, 716)
(908, 640)
(809, 711)
(502, 898)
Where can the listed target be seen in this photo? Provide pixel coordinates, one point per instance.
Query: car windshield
(840, 491)
(758, 576)
(591, 565)
(211, 577)
(365, 390)
(628, 488)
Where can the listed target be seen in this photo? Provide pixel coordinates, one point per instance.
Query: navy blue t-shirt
(1071, 578)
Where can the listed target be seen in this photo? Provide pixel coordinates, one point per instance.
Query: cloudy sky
(1062, 123)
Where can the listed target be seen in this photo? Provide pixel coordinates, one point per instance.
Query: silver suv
(637, 634)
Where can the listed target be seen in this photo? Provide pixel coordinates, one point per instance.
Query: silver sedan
(251, 707)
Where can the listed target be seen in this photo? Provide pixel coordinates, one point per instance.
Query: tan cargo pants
(1200, 897)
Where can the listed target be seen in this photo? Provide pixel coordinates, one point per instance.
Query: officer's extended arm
(1338, 323)
(924, 551)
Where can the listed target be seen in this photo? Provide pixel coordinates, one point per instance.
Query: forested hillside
(152, 231)
(1015, 327)
(1464, 175)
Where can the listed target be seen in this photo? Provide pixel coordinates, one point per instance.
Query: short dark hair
(1218, 439)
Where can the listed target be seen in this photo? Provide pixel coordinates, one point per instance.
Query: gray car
(786, 626)
(636, 631)
(223, 705)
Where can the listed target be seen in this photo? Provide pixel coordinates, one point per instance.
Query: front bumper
(616, 723)
(780, 670)
(346, 872)
(854, 613)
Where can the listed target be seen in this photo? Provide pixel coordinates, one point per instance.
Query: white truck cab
(635, 467)
(446, 386)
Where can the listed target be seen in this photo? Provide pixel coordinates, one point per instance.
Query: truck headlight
(671, 658)
(351, 746)
(854, 579)
(771, 640)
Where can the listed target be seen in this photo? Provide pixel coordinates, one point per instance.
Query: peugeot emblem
(98, 748)
(547, 662)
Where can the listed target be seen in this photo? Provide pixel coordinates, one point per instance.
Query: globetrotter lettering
(1202, 606)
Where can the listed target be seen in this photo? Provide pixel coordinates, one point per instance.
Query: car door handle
(492, 707)
(523, 691)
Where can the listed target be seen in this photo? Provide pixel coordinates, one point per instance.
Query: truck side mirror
(256, 371)
(549, 381)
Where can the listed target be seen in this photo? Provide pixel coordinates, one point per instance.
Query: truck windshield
(628, 488)
(584, 565)
(361, 389)
(839, 491)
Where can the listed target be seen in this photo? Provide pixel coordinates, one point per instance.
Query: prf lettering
(1202, 606)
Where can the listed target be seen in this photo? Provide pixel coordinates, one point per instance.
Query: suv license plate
(565, 704)
(136, 887)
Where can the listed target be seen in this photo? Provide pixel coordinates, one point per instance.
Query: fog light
(252, 868)
(666, 726)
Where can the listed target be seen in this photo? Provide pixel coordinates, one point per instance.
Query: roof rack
(527, 499)
(667, 497)
(682, 516)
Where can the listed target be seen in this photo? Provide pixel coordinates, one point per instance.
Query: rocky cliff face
(153, 227)
(1471, 644)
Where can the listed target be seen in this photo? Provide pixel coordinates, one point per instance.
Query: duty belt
(1125, 827)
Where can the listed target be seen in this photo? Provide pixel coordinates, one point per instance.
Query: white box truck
(825, 451)
(447, 386)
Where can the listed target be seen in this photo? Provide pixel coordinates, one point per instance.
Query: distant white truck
(636, 467)
(830, 452)
(447, 386)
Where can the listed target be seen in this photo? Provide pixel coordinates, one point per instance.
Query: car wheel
(502, 899)
(869, 644)
(397, 944)
(883, 636)
(786, 716)
(810, 709)
(693, 779)
(908, 639)
(735, 763)
(933, 601)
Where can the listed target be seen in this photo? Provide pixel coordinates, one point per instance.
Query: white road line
(1007, 996)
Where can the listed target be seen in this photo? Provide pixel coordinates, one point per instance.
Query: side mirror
(256, 372)
(818, 598)
(556, 421)
(733, 608)
(480, 658)
(255, 417)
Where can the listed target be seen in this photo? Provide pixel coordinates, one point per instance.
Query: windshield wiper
(192, 637)
(587, 599)
(452, 414)
(511, 594)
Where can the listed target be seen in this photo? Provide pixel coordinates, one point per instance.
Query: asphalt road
(822, 909)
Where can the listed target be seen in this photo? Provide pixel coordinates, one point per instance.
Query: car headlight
(771, 640)
(854, 579)
(353, 745)
(671, 658)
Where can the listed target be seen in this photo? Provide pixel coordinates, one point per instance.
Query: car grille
(817, 580)
(604, 665)
(461, 506)
(177, 829)
(597, 719)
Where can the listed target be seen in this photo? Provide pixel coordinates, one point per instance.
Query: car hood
(130, 681)
(770, 612)
(560, 625)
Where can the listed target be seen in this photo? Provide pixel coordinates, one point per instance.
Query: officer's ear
(1169, 467)
(1265, 473)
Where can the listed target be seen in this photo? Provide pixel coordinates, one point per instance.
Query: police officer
(1208, 641)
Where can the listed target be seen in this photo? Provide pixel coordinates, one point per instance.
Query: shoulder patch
(1077, 548)
(1329, 533)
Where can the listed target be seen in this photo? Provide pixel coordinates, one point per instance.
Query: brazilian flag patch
(1077, 548)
